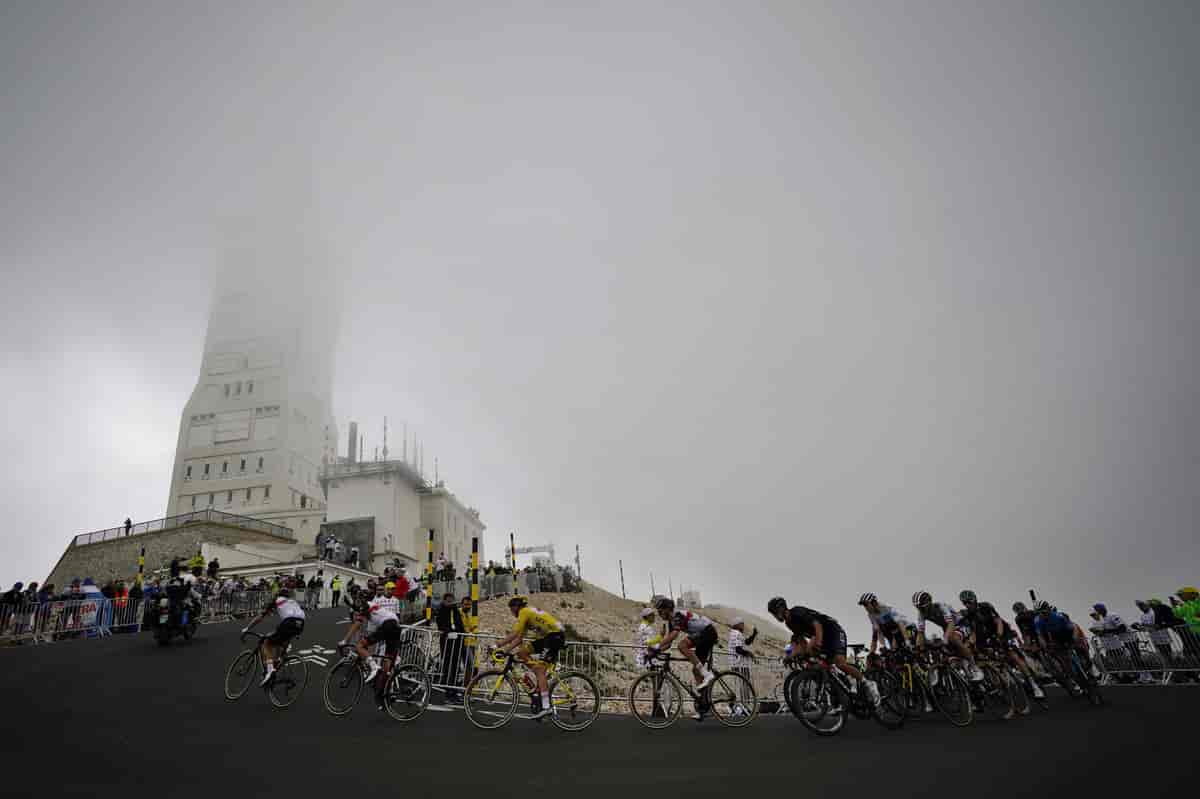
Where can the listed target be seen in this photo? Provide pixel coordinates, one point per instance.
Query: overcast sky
(792, 299)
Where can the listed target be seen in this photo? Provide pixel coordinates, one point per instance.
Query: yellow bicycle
(491, 697)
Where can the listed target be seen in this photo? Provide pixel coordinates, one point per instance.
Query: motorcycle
(176, 617)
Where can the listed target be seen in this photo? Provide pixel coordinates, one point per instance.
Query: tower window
(243, 464)
(303, 501)
(193, 501)
(226, 389)
(238, 388)
(206, 468)
(249, 386)
(188, 475)
(224, 467)
(249, 494)
(266, 492)
(229, 498)
(211, 498)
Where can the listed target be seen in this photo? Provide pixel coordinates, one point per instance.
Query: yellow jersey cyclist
(549, 639)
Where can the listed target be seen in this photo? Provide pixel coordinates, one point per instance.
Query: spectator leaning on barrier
(471, 625)
(1188, 611)
(335, 585)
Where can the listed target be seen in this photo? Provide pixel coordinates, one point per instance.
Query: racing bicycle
(286, 684)
(404, 693)
(656, 698)
(491, 697)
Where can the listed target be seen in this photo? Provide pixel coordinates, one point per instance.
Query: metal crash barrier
(452, 659)
(1148, 656)
(235, 605)
(46, 622)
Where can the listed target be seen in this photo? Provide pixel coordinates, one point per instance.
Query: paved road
(122, 714)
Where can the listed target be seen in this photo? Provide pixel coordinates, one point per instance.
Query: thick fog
(787, 299)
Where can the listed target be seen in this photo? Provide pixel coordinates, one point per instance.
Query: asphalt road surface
(105, 717)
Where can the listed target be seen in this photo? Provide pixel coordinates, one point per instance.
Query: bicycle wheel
(240, 675)
(343, 686)
(951, 695)
(490, 699)
(575, 700)
(655, 699)
(407, 693)
(732, 699)
(892, 709)
(288, 683)
(816, 703)
(995, 692)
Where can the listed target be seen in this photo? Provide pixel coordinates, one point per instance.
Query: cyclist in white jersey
(381, 617)
(950, 621)
(291, 624)
(887, 623)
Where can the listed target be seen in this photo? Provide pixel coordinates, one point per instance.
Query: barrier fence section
(83, 618)
(1158, 656)
(234, 605)
(452, 659)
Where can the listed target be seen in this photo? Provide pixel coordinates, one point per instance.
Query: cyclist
(383, 625)
(291, 624)
(696, 646)
(989, 629)
(887, 623)
(948, 619)
(1056, 630)
(815, 633)
(547, 646)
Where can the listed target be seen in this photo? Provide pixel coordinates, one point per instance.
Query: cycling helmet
(867, 599)
(285, 591)
(1019, 607)
(518, 600)
(776, 605)
(1186, 591)
(922, 599)
(1042, 606)
(1100, 608)
(967, 597)
(664, 603)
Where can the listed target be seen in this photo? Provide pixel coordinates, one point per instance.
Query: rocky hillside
(599, 616)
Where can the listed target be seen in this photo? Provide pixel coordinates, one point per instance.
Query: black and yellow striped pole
(429, 574)
(512, 546)
(141, 565)
(475, 591)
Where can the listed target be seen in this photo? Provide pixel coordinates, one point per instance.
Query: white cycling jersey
(288, 608)
(940, 614)
(888, 617)
(383, 606)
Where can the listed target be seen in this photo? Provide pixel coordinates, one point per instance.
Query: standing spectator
(319, 588)
(1188, 611)
(440, 566)
(741, 658)
(336, 587)
(1159, 636)
(471, 625)
(9, 601)
(309, 589)
(214, 568)
(31, 594)
(450, 623)
(129, 523)
(352, 560)
(320, 542)
(646, 636)
(337, 549)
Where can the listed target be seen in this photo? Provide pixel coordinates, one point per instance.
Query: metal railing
(1148, 656)
(172, 522)
(452, 659)
(46, 622)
